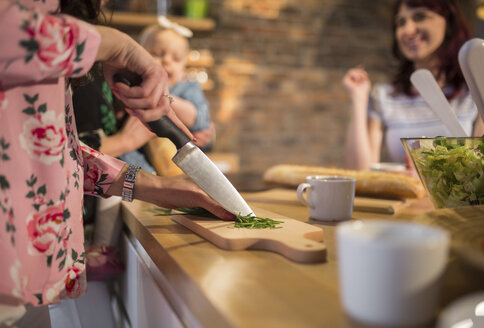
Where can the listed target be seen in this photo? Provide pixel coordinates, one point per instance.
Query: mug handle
(300, 194)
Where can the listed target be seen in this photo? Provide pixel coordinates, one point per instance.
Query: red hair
(456, 34)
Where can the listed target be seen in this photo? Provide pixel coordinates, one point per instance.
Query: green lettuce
(452, 171)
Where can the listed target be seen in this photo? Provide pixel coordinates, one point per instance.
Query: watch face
(131, 173)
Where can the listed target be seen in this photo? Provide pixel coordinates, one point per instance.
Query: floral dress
(44, 169)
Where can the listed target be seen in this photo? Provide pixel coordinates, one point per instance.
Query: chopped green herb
(255, 222)
(241, 221)
(198, 211)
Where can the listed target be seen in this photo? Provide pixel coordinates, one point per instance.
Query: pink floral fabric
(44, 169)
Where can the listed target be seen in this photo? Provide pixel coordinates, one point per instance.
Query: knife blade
(193, 162)
(209, 178)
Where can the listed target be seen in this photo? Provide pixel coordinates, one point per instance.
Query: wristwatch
(128, 184)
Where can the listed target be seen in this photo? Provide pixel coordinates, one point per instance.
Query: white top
(403, 116)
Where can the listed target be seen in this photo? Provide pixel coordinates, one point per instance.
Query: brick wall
(278, 65)
(278, 96)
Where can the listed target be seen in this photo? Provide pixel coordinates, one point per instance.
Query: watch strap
(128, 184)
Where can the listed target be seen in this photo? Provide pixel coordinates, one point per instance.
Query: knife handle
(164, 126)
(129, 78)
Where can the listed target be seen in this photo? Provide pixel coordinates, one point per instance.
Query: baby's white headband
(163, 21)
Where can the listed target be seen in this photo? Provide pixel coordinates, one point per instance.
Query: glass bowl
(451, 169)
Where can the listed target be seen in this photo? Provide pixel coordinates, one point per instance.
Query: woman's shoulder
(384, 86)
(383, 90)
(386, 91)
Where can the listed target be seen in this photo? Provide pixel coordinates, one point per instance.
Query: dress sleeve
(37, 46)
(99, 171)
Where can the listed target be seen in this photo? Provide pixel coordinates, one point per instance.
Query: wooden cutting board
(361, 204)
(296, 240)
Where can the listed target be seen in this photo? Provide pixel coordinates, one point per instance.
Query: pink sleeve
(99, 171)
(37, 46)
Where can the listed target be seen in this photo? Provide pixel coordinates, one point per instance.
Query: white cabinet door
(145, 303)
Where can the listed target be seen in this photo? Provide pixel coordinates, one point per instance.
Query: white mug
(390, 272)
(329, 198)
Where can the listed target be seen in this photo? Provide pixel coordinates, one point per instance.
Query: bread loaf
(371, 183)
(160, 152)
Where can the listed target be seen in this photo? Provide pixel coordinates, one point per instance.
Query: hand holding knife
(193, 161)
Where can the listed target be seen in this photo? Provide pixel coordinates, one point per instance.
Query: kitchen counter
(211, 287)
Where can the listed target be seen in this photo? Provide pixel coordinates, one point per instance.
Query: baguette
(371, 183)
(159, 152)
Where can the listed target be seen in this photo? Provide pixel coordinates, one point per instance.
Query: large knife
(193, 161)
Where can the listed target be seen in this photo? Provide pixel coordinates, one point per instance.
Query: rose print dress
(44, 169)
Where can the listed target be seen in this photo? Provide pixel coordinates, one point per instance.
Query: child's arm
(191, 103)
(185, 110)
(132, 136)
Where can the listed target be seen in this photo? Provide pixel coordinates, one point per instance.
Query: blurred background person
(426, 34)
(170, 47)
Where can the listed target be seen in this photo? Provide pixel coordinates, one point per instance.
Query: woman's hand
(357, 83)
(119, 52)
(181, 191)
(169, 192)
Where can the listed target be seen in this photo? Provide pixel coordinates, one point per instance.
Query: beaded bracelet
(128, 184)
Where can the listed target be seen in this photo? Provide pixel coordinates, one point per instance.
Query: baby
(171, 49)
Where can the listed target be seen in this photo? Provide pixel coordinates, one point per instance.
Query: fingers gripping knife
(193, 161)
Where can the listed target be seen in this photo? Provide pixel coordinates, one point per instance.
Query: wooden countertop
(263, 289)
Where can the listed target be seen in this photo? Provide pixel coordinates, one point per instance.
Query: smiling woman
(426, 34)
(419, 47)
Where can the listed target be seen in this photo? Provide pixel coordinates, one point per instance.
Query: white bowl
(465, 312)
